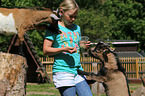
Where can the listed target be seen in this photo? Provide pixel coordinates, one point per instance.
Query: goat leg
(96, 77)
(143, 81)
(85, 73)
(21, 48)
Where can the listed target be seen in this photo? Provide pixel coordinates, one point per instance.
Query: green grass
(134, 86)
(41, 87)
(50, 90)
(41, 90)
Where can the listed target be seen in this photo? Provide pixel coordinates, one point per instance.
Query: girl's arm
(49, 50)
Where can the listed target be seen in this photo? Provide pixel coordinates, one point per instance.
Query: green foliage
(98, 19)
(5, 42)
(93, 24)
(17, 3)
(128, 19)
(37, 38)
(53, 4)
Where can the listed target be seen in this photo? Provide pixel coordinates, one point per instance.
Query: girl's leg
(83, 89)
(67, 91)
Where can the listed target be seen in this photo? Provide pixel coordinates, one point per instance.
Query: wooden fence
(135, 66)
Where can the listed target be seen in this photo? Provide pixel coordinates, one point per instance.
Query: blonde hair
(68, 5)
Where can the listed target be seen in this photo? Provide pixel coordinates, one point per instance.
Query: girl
(65, 48)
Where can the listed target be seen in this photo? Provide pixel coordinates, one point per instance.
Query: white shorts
(62, 79)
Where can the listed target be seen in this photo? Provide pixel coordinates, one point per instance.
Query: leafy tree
(93, 24)
(98, 19)
(128, 19)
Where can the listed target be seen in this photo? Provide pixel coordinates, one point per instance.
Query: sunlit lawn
(41, 90)
(33, 89)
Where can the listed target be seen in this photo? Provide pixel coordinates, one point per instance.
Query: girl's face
(68, 17)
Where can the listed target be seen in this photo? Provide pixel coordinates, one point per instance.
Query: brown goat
(20, 20)
(23, 19)
(112, 74)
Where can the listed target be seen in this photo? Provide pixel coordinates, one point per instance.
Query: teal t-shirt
(66, 62)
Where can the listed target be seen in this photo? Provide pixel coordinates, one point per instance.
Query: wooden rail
(135, 67)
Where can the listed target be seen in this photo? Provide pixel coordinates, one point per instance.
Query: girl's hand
(70, 49)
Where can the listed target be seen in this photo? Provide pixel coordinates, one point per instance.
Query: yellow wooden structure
(135, 66)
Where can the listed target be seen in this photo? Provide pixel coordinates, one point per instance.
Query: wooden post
(94, 86)
(97, 87)
(137, 68)
(13, 71)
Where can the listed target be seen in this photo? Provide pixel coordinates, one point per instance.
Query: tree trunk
(13, 71)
